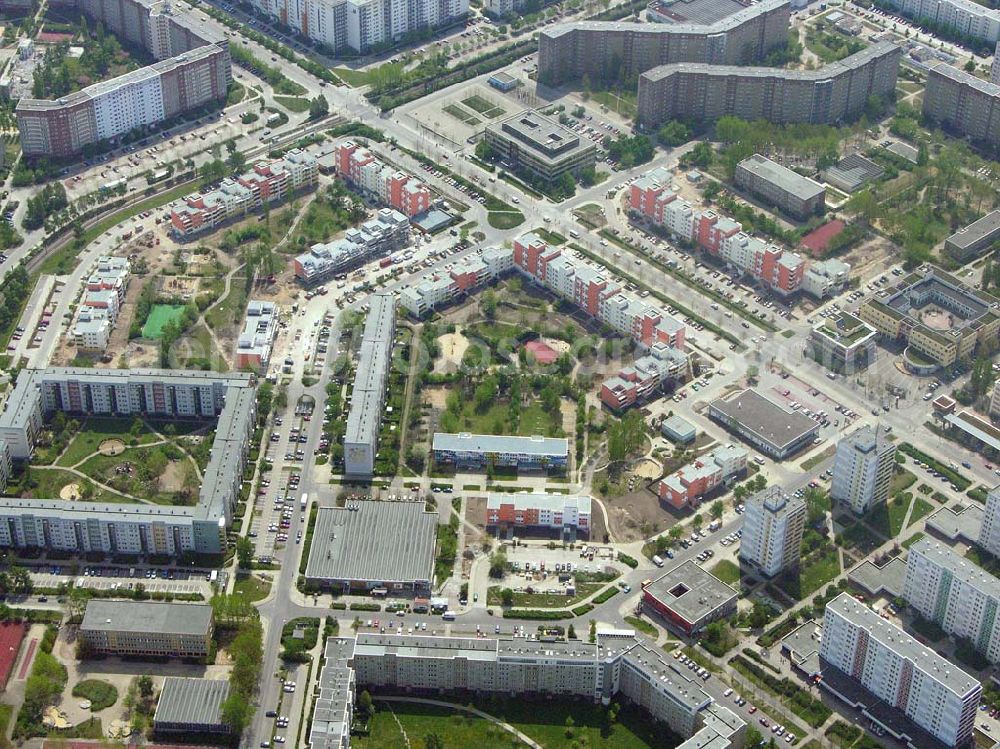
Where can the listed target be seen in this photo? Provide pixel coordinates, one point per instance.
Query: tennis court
(159, 316)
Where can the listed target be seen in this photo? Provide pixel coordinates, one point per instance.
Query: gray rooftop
(191, 701)
(696, 11)
(690, 591)
(959, 567)
(147, 616)
(776, 501)
(781, 176)
(371, 373)
(986, 228)
(373, 541)
(965, 79)
(543, 136)
(726, 24)
(765, 418)
(501, 443)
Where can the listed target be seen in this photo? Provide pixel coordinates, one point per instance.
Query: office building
(781, 187)
(617, 50)
(962, 18)
(361, 26)
(388, 185)
(843, 343)
(369, 545)
(229, 399)
(254, 344)
(975, 239)
(688, 598)
(569, 514)
(144, 628)
(959, 596)
(928, 689)
(772, 531)
(268, 183)
(477, 451)
(530, 142)
(863, 469)
(687, 485)
(938, 316)
(989, 533)
(440, 288)
(377, 237)
(191, 707)
(769, 427)
(140, 98)
(963, 103)
(371, 378)
(831, 95)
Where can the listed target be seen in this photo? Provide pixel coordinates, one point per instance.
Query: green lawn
(888, 518)
(545, 600)
(728, 572)
(859, 536)
(51, 481)
(101, 694)
(913, 539)
(818, 458)
(252, 587)
(504, 219)
(818, 571)
(94, 431)
(137, 478)
(230, 310)
(496, 420)
(641, 625)
(623, 102)
(352, 77)
(921, 507)
(293, 103)
(159, 316)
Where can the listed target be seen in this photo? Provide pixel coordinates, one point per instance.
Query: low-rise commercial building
(143, 628)
(832, 94)
(928, 689)
(191, 707)
(825, 278)
(963, 103)
(568, 514)
(536, 144)
(688, 484)
(773, 523)
(390, 186)
(843, 343)
(255, 342)
(973, 240)
(783, 188)
(378, 237)
(477, 451)
(772, 429)
(688, 598)
(367, 545)
(852, 173)
(678, 430)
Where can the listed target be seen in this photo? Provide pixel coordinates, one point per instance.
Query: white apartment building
(863, 469)
(931, 691)
(772, 531)
(438, 289)
(963, 16)
(6, 466)
(959, 596)
(104, 293)
(989, 533)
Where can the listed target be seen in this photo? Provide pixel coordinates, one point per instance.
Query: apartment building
(608, 50)
(567, 514)
(230, 399)
(538, 145)
(361, 26)
(825, 278)
(963, 103)
(440, 288)
(995, 67)
(831, 95)
(963, 17)
(645, 378)
(989, 533)
(843, 343)
(477, 451)
(6, 466)
(863, 469)
(959, 596)
(146, 628)
(773, 523)
(371, 377)
(256, 340)
(688, 484)
(140, 98)
(378, 237)
(103, 294)
(267, 183)
(390, 186)
(928, 689)
(781, 187)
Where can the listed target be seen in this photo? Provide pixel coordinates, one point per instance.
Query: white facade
(125, 106)
(963, 16)
(863, 469)
(772, 531)
(989, 534)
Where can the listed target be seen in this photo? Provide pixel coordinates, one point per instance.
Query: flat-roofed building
(843, 343)
(889, 663)
(191, 706)
(477, 451)
(863, 469)
(688, 598)
(989, 530)
(963, 103)
(334, 706)
(567, 513)
(772, 429)
(973, 240)
(6, 465)
(702, 476)
(254, 344)
(773, 523)
(783, 188)
(370, 544)
(531, 142)
(377, 237)
(145, 628)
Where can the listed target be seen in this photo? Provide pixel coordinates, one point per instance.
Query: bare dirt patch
(636, 516)
(111, 447)
(437, 397)
(648, 469)
(453, 348)
(70, 492)
(172, 478)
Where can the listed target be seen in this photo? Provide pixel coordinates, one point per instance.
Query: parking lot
(176, 581)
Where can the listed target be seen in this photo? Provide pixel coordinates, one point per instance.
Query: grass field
(818, 571)
(486, 108)
(101, 694)
(159, 316)
(94, 431)
(913, 539)
(728, 572)
(921, 507)
(545, 600)
(460, 114)
(293, 103)
(252, 587)
(353, 78)
(51, 481)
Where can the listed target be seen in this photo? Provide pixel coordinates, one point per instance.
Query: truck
(304, 502)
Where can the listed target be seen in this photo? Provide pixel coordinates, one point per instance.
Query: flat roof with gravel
(145, 616)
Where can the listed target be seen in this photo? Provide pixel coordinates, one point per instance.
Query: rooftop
(146, 616)
(690, 591)
(373, 541)
(986, 228)
(553, 502)
(545, 137)
(764, 418)
(191, 701)
(844, 328)
(781, 176)
(501, 443)
(694, 11)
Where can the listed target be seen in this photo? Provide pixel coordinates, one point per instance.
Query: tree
(365, 704)
(145, 686)
(507, 597)
(433, 741)
(319, 108)
(716, 509)
(970, 66)
(483, 151)
(244, 552)
(498, 563)
(673, 133)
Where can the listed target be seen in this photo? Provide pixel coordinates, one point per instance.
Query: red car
(764, 722)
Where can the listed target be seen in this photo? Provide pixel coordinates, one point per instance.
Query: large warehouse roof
(191, 701)
(765, 418)
(142, 616)
(373, 541)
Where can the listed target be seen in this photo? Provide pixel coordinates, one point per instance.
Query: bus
(304, 501)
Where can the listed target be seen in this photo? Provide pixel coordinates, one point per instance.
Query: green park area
(159, 316)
